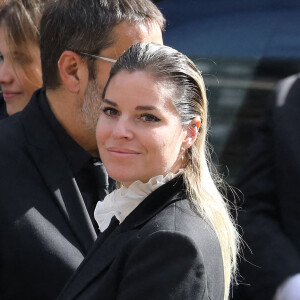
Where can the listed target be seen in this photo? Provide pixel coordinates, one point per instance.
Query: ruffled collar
(121, 202)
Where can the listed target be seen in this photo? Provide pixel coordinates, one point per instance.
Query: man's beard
(92, 104)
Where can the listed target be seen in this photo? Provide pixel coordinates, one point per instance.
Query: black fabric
(114, 223)
(3, 113)
(101, 178)
(162, 250)
(80, 162)
(270, 214)
(45, 228)
(94, 185)
(76, 156)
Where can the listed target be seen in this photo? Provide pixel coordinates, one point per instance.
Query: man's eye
(110, 111)
(149, 118)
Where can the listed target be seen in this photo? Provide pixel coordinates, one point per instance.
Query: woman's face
(139, 133)
(20, 74)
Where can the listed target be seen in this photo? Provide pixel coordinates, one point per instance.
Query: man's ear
(72, 71)
(192, 132)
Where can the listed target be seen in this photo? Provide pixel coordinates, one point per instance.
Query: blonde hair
(203, 184)
(20, 20)
(189, 97)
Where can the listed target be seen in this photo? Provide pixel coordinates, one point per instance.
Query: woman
(175, 239)
(20, 68)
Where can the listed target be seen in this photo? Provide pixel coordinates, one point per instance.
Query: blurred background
(243, 49)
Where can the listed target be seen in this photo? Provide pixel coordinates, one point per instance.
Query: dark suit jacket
(270, 217)
(162, 250)
(45, 229)
(3, 113)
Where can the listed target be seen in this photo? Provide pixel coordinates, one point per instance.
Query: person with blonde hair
(167, 232)
(20, 67)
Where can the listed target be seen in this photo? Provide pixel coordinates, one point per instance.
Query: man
(47, 183)
(270, 215)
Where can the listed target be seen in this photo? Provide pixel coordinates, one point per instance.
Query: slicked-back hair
(87, 26)
(184, 81)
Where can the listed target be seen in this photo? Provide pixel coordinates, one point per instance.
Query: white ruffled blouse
(121, 202)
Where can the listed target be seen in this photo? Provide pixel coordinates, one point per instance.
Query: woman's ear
(71, 68)
(192, 132)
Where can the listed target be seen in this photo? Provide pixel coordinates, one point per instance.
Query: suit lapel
(102, 254)
(52, 165)
(168, 193)
(109, 244)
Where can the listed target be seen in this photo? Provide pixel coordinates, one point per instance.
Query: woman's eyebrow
(146, 107)
(110, 102)
(140, 107)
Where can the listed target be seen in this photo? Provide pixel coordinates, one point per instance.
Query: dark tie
(101, 178)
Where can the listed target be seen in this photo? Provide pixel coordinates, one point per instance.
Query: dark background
(243, 49)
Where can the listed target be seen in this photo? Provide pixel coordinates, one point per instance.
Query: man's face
(125, 35)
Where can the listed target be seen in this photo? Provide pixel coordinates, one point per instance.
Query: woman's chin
(122, 176)
(127, 179)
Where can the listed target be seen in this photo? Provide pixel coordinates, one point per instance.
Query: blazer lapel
(109, 244)
(102, 254)
(52, 165)
(168, 193)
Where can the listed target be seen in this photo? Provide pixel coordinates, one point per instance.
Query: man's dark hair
(86, 26)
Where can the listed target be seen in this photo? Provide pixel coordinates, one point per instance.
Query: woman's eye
(149, 118)
(1, 59)
(110, 111)
(22, 59)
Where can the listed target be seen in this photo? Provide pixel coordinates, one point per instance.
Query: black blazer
(270, 216)
(3, 113)
(45, 229)
(162, 250)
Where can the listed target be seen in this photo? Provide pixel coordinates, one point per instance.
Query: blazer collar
(109, 244)
(49, 159)
(160, 198)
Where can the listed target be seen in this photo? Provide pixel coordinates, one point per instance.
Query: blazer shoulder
(12, 135)
(180, 217)
(178, 233)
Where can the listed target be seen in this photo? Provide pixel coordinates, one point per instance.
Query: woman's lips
(122, 152)
(10, 95)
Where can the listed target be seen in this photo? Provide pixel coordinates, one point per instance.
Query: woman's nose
(122, 129)
(6, 74)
